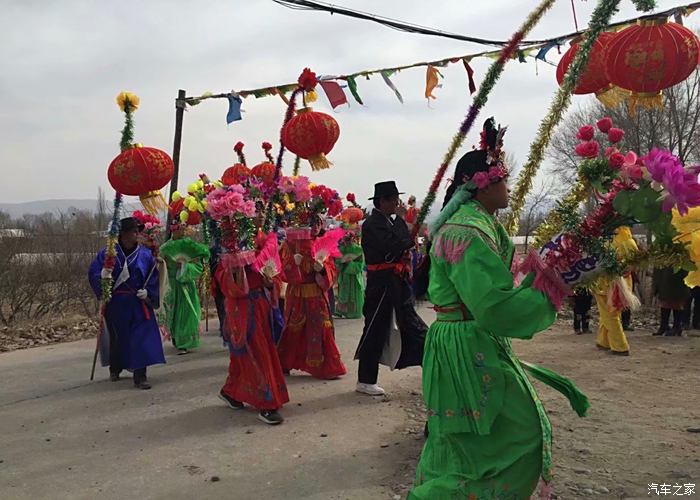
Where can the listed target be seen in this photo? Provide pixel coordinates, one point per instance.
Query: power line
(311, 5)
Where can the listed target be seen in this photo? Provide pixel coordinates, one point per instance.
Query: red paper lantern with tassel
(265, 171)
(311, 135)
(651, 56)
(235, 174)
(593, 78)
(143, 172)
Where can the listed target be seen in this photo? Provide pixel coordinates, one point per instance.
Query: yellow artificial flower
(290, 206)
(133, 99)
(176, 196)
(693, 278)
(624, 243)
(184, 216)
(687, 224)
(311, 96)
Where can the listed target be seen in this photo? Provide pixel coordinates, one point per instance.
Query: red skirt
(254, 372)
(308, 338)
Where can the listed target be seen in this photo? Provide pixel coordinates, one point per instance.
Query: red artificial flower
(615, 135)
(588, 149)
(605, 124)
(616, 160)
(586, 133)
(238, 147)
(266, 146)
(307, 79)
(351, 198)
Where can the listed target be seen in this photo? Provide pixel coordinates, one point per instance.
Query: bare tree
(675, 126)
(537, 204)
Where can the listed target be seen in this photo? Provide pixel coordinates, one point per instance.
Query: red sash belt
(399, 268)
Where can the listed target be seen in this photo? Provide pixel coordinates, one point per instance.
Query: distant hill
(17, 210)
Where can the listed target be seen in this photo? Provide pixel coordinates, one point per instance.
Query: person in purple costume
(130, 338)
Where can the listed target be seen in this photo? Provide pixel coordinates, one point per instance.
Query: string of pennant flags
(334, 85)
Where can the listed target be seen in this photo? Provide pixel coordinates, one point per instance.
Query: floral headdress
(495, 157)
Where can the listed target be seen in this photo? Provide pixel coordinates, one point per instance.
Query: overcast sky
(63, 63)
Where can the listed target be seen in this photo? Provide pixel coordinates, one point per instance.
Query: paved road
(64, 437)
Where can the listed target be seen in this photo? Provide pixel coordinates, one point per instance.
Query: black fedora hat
(128, 224)
(385, 189)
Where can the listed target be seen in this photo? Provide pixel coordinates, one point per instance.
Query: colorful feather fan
(326, 246)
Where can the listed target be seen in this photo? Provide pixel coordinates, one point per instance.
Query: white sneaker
(369, 389)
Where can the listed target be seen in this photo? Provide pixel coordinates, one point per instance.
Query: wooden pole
(179, 116)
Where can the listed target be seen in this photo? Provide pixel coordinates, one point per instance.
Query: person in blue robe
(130, 337)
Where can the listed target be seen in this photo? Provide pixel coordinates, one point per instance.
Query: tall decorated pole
(128, 103)
(494, 72)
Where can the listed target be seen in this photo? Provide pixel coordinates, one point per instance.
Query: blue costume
(132, 341)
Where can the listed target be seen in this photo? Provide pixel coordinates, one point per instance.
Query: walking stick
(103, 323)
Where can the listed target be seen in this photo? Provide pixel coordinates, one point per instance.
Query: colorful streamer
(494, 72)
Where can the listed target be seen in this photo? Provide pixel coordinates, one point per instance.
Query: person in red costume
(307, 341)
(254, 375)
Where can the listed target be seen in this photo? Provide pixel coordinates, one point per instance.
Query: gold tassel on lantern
(612, 96)
(647, 100)
(153, 202)
(319, 162)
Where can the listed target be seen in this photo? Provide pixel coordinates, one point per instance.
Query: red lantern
(142, 172)
(265, 171)
(352, 215)
(311, 135)
(235, 174)
(651, 56)
(593, 79)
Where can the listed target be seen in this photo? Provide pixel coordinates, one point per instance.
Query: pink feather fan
(267, 261)
(326, 246)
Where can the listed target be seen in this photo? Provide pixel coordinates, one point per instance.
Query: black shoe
(114, 377)
(578, 332)
(659, 332)
(142, 384)
(619, 353)
(628, 328)
(270, 417)
(233, 404)
(674, 332)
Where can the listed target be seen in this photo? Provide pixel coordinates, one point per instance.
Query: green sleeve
(354, 267)
(191, 272)
(485, 285)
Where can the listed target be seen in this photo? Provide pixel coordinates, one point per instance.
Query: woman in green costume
(489, 436)
(184, 259)
(351, 282)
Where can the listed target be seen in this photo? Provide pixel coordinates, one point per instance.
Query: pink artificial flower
(605, 124)
(616, 160)
(586, 133)
(615, 135)
(302, 192)
(679, 193)
(631, 169)
(658, 161)
(610, 150)
(481, 180)
(588, 149)
(497, 172)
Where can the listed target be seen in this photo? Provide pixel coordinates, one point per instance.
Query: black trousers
(692, 309)
(378, 311)
(581, 321)
(626, 318)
